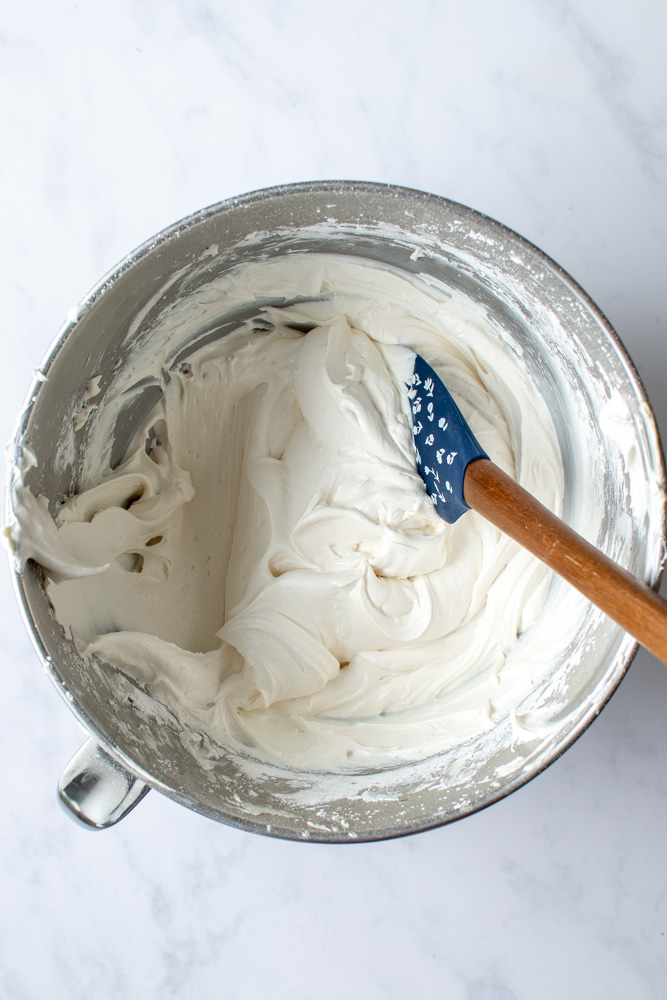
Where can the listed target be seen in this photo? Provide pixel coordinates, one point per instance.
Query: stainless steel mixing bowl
(577, 362)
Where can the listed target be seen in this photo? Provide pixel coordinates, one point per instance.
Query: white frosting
(265, 559)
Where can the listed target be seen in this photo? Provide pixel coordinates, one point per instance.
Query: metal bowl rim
(625, 655)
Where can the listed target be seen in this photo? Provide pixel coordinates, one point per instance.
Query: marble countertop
(116, 120)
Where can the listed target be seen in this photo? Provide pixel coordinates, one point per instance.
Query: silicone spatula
(459, 476)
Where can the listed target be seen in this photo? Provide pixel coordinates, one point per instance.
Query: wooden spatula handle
(641, 612)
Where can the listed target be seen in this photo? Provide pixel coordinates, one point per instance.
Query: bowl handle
(96, 790)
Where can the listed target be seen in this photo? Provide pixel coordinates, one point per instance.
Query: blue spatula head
(444, 445)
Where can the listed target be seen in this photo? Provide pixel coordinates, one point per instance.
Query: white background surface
(116, 119)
